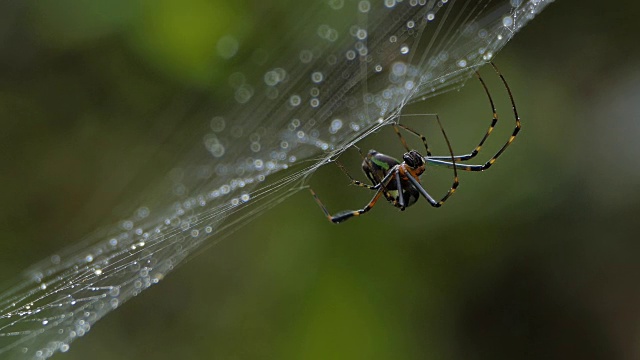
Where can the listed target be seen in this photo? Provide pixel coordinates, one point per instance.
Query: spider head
(413, 159)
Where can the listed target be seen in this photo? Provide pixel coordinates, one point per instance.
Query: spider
(399, 182)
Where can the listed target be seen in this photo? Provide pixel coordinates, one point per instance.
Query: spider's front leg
(345, 215)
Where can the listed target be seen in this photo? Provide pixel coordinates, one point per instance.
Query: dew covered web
(347, 69)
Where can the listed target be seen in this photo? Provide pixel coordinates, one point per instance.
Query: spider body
(377, 165)
(399, 182)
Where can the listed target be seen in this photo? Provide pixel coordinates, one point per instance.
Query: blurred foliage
(536, 258)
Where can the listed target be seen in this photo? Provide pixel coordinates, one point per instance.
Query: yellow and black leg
(345, 215)
(442, 160)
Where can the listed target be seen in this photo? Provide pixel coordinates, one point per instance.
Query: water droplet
(336, 4)
(295, 100)
(399, 69)
(227, 47)
(127, 225)
(336, 124)
(350, 55)
(409, 85)
(143, 212)
(271, 78)
(306, 56)
(364, 6)
(317, 77)
(243, 93)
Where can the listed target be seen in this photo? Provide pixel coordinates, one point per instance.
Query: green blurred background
(537, 258)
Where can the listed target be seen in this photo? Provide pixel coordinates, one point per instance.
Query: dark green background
(537, 258)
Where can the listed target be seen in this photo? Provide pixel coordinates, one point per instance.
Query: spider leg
(354, 181)
(422, 137)
(455, 183)
(430, 198)
(359, 183)
(345, 215)
(442, 160)
(400, 194)
(494, 121)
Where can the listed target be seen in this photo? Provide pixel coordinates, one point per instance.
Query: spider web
(348, 68)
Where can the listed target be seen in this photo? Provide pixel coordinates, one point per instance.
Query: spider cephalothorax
(413, 159)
